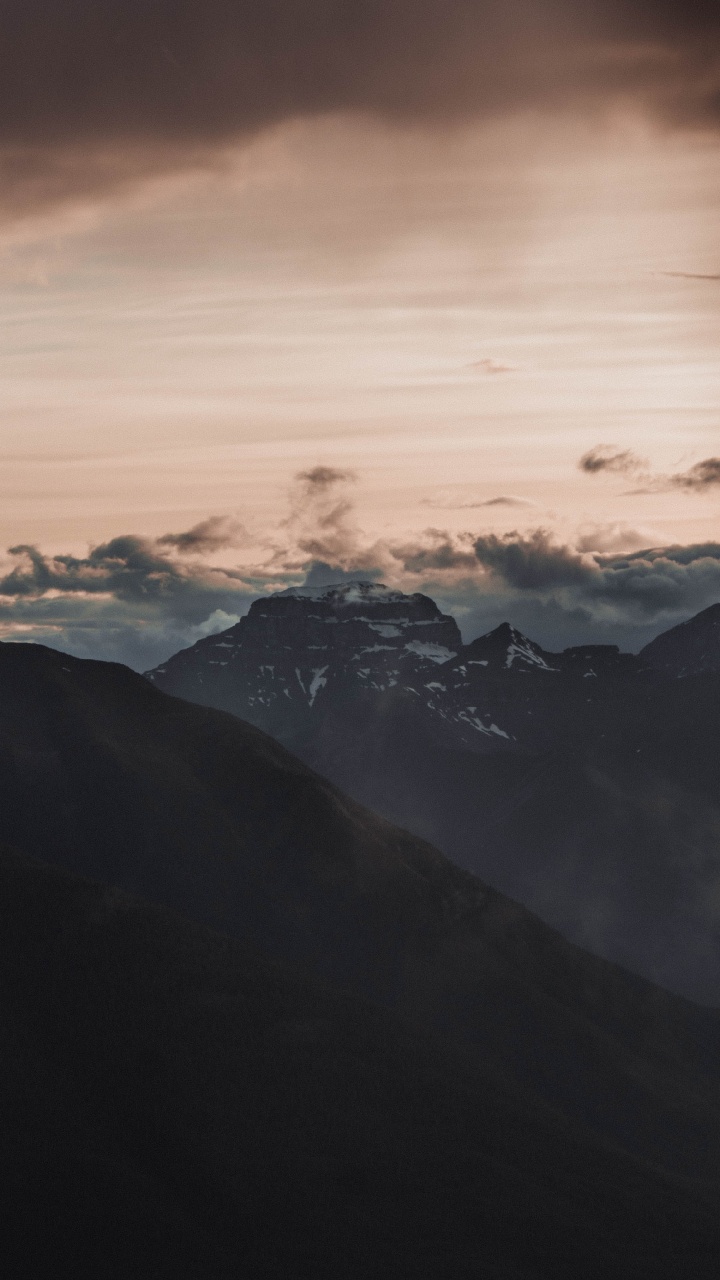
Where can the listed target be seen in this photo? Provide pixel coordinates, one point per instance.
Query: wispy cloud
(690, 275)
(448, 503)
(608, 457)
(700, 478)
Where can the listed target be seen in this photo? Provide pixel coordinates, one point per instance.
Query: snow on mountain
(307, 654)
(299, 649)
(505, 647)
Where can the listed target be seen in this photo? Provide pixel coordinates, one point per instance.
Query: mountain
(585, 784)
(691, 649)
(295, 652)
(297, 655)
(108, 778)
(175, 1106)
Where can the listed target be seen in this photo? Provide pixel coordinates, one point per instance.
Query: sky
(417, 291)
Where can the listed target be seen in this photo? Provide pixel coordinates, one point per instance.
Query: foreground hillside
(174, 1107)
(193, 809)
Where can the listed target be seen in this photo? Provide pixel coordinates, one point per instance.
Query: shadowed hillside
(193, 809)
(174, 1106)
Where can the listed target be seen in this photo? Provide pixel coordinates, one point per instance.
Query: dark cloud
(320, 574)
(700, 478)
(607, 457)
(130, 599)
(320, 479)
(704, 475)
(561, 597)
(96, 91)
(641, 584)
(128, 567)
(209, 535)
(438, 552)
(533, 562)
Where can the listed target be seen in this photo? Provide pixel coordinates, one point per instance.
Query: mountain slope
(174, 1106)
(690, 649)
(195, 810)
(585, 784)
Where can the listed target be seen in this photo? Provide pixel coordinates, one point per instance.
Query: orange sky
(454, 313)
(455, 317)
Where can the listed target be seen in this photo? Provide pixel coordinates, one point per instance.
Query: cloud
(607, 457)
(94, 93)
(504, 501)
(209, 535)
(321, 525)
(132, 599)
(689, 275)
(320, 574)
(703, 476)
(320, 479)
(491, 366)
(138, 599)
(448, 503)
(613, 537)
(532, 562)
(437, 552)
(700, 478)
(641, 584)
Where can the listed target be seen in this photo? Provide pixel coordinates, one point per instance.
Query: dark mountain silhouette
(585, 784)
(175, 1106)
(691, 649)
(195, 810)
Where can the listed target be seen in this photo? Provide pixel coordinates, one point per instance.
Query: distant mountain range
(585, 783)
(391, 1070)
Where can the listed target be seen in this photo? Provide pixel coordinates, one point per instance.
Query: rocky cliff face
(296, 651)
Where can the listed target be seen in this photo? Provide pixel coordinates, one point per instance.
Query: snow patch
(385, 629)
(317, 682)
(435, 652)
(475, 722)
(526, 654)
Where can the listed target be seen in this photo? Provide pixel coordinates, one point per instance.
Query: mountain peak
(505, 647)
(689, 649)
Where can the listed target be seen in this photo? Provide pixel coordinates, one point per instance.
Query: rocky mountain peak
(506, 648)
(292, 648)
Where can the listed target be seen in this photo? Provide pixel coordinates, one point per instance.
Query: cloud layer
(138, 599)
(94, 92)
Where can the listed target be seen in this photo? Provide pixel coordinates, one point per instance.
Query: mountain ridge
(583, 784)
(214, 819)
